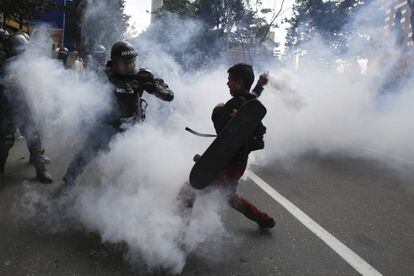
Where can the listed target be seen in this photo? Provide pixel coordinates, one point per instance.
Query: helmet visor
(100, 58)
(125, 66)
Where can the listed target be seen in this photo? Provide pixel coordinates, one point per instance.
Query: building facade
(156, 5)
(399, 19)
(55, 21)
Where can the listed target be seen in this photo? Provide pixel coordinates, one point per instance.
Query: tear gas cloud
(65, 103)
(314, 108)
(101, 23)
(128, 193)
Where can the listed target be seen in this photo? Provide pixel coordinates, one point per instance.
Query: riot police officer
(99, 55)
(15, 114)
(96, 61)
(63, 54)
(128, 85)
(4, 34)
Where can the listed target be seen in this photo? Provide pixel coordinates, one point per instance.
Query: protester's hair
(244, 72)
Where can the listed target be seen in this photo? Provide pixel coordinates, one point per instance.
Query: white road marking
(341, 249)
(383, 153)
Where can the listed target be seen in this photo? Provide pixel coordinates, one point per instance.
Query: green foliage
(28, 9)
(182, 8)
(332, 20)
(224, 24)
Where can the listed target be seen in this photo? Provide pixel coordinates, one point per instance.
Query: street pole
(64, 23)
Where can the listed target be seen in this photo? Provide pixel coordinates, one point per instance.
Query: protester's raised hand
(263, 79)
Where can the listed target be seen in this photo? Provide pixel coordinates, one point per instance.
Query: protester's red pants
(227, 182)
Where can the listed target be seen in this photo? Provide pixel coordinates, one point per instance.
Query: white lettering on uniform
(124, 91)
(129, 53)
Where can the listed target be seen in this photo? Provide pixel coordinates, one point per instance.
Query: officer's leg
(34, 145)
(186, 198)
(45, 158)
(6, 143)
(97, 140)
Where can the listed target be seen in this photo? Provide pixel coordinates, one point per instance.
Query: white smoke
(102, 23)
(316, 108)
(65, 102)
(128, 194)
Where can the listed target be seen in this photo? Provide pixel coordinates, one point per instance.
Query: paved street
(366, 206)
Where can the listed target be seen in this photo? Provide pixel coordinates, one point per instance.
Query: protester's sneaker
(44, 176)
(267, 223)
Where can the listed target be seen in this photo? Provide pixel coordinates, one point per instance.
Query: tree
(231, 22)
(222, 25)
(183, 8)
(102, 22)
(332, 20)
(28, 9)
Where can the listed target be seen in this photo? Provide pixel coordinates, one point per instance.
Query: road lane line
(383, 153)
(341, 249)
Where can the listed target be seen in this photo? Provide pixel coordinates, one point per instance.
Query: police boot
(41, 172)
(68, 182)
(38, 160)
(63, 190)
(44, 176)
(46, 159)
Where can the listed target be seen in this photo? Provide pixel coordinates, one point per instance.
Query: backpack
(256, 141)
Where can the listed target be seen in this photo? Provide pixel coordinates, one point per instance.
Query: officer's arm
(157, 87)
(162, 91)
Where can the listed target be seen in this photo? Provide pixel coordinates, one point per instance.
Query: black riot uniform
(3, 37)
(99, 55)
(4, 34)
(96, 62)
(129, 83)
(15, 114)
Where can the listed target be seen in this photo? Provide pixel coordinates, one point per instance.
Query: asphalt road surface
(335, 216)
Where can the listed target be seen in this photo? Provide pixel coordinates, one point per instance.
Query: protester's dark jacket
(223, 114)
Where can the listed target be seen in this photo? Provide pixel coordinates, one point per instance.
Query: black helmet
(100, 49)
(124, 58)
(123, 49)
(25, 35)
(63, 53)
(99, 55)
(15, 44)
(3, 34)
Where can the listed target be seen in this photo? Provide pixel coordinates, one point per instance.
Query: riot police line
(128, 81)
